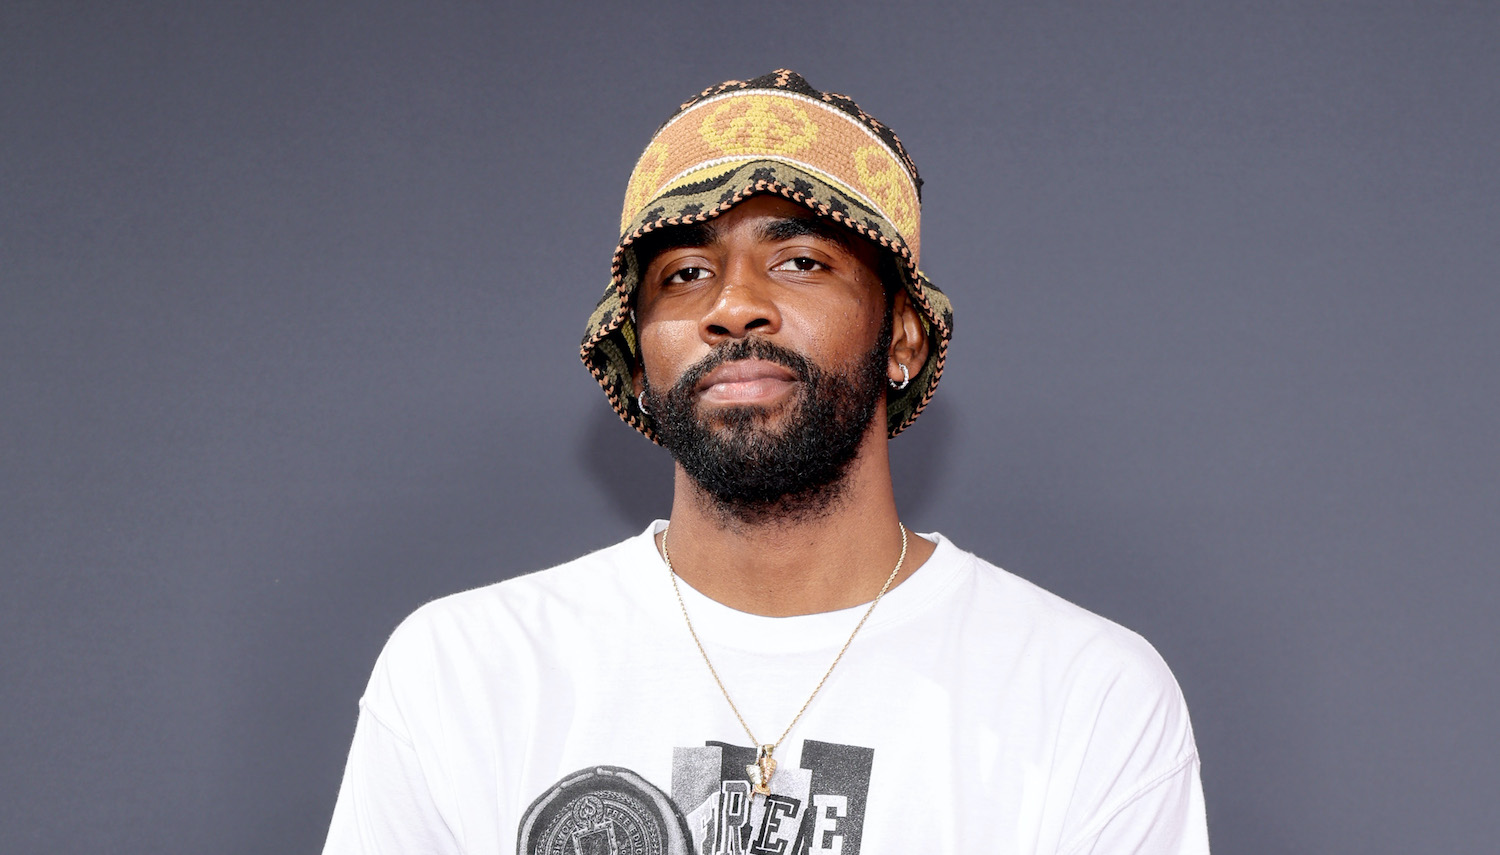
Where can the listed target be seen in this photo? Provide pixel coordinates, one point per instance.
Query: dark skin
(768, 268)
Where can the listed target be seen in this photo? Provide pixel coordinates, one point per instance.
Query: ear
(908, 338)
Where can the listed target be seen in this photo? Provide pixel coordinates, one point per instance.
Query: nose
(743, 304)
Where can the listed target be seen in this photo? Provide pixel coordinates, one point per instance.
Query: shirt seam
(1093, 829)
(369, 708)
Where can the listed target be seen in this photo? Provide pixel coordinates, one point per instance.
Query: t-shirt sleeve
(384, 803)
(393, 794)
(1138, 788)
(1164, 817)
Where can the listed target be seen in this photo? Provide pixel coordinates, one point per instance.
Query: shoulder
(504, 625)
(1044, 624)
(566, 589)
(1105, 696)
(1083, 666)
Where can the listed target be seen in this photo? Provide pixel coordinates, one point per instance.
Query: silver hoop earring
(640, 401)
(905, 377)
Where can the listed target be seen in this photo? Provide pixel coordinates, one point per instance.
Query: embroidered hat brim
(772, 135)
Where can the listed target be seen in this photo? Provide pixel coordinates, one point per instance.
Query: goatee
(754, 472)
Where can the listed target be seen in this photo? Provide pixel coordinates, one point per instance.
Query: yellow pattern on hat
(646, 179)
(788, 127)
(758, 124)
(887, 184)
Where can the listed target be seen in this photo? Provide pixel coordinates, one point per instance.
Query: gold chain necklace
(764, 767)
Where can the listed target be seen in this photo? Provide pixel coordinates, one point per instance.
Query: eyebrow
(702, 234)
(652, 244)
(787, 228)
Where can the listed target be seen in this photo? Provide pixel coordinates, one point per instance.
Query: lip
(745, 381)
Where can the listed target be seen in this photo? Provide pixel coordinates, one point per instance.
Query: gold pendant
(762, 769)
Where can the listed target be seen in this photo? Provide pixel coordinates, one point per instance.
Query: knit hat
(771, 135)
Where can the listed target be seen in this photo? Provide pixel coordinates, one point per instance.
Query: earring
(905, 377)
(640, 401)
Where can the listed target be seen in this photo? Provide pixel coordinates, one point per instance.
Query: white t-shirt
(568, 711)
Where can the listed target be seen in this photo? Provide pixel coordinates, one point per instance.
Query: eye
(686, 275)
(802, 264)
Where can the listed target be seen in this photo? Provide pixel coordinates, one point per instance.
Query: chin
(737, 417)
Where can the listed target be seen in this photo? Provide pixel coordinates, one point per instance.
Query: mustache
(735, 351)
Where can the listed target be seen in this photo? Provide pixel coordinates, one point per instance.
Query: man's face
(764, 339)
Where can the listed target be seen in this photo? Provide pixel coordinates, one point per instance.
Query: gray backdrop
(290, 297)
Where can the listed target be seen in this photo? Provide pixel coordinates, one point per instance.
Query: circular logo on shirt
(603, 810)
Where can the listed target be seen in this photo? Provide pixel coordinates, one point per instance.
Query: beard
(754, 472)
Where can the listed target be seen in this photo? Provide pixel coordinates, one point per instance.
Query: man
(783, 667)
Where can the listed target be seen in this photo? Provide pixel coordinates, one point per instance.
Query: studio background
(291, 294)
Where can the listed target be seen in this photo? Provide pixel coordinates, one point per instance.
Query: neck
(834, 559)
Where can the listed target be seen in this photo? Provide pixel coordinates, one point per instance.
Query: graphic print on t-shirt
(607, 810)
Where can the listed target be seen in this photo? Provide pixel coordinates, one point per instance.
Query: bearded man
(783, 667)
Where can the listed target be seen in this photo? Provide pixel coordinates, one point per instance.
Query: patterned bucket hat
(771, 135)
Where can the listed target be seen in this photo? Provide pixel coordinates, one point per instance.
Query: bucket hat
(777, 135)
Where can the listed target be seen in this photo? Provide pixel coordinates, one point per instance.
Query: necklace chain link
(765, 750)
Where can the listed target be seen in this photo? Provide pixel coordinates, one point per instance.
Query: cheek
(667, 348)
(841, 333)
